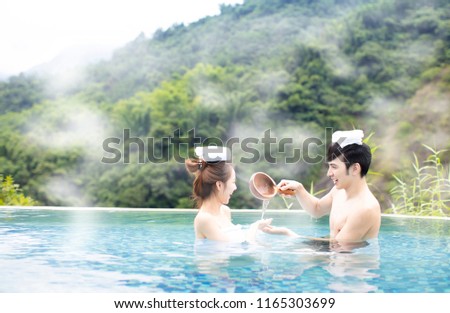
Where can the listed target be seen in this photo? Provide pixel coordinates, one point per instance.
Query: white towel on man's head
(348, 137)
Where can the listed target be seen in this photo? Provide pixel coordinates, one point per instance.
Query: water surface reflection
(300, 265)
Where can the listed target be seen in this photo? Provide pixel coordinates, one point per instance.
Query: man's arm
(311, 204)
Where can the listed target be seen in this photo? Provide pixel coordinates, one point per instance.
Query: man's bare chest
(340, 211)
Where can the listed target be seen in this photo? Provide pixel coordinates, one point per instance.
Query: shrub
(10, 193)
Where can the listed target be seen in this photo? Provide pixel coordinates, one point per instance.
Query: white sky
(33, 32)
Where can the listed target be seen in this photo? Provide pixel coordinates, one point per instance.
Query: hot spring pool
(101, 250)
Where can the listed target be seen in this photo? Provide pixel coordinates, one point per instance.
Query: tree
(20, 92)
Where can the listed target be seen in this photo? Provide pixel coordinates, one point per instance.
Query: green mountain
(273, 77)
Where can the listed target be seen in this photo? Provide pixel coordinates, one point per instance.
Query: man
(355, 213)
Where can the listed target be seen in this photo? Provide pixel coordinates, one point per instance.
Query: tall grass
(425, 190)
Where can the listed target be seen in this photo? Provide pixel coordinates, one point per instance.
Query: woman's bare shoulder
(202, 217)
(225, 208)
(226, 211)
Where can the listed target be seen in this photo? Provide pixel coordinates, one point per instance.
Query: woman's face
(228, 188)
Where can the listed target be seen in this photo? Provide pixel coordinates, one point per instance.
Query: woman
(213, 186)
(214, 183)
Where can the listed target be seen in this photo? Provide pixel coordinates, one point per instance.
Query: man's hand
(289, 185)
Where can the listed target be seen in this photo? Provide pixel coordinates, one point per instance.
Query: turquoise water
(155, 251)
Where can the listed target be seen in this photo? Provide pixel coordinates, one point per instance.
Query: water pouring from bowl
(263, 187)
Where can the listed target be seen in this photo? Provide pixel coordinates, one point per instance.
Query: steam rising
(70, 126)
(75, 125)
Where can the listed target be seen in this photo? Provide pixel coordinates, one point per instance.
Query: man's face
(338, 173)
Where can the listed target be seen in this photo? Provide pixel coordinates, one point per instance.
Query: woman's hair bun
(194, 165)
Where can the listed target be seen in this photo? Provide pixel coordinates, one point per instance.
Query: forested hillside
(108, 134)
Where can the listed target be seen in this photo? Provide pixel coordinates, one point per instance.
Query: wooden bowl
(262, 186)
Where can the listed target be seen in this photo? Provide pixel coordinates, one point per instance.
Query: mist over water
(64, 190)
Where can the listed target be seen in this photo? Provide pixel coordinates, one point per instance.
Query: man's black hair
(351, 154)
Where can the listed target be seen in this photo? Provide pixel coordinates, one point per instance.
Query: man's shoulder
(370, 207)
(372, 202)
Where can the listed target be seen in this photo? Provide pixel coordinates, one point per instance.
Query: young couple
(355, 213)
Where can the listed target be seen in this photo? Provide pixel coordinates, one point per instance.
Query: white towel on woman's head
(213, 153)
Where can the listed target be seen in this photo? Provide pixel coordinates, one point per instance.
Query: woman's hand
(274, 230)
(261, 224)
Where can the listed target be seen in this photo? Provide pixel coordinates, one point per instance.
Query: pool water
(88, 250)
